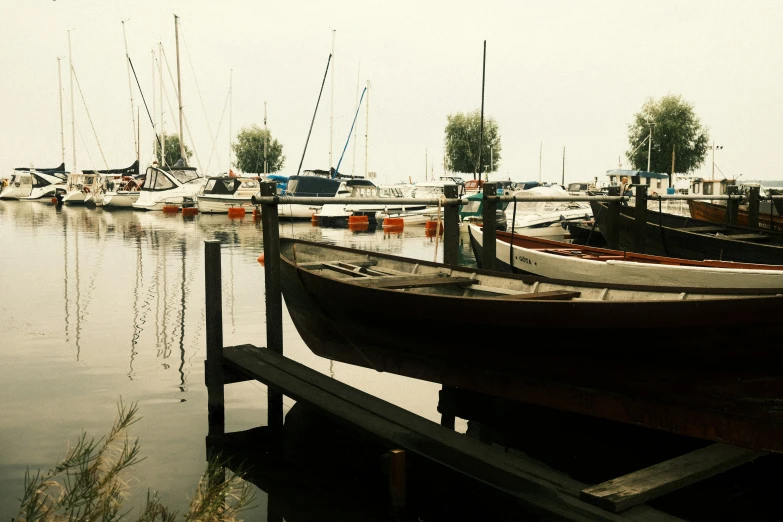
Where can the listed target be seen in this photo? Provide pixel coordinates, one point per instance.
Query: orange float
(236, 212)
(189, 211)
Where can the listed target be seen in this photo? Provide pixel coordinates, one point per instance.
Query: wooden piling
(397, 482)
(612, 220)
(451, 228)
(273, 291)
(489, 209)
(640, 219)
(214, 330)
(732, 205)
(753, 207)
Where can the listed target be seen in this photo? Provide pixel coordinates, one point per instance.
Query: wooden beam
(412, 281)
(646, 484)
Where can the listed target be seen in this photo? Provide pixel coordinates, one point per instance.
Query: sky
(562, 79)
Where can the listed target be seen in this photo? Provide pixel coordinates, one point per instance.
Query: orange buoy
(393, 222)
(189, 211)
(236, 212)
(358, 220)
(314, 219)
(54, 200)
(261, 259)
(432, 226)
(170, 209)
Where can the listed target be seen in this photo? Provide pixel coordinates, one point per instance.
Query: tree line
(665, 136)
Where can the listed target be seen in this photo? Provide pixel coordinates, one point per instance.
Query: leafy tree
(675, 127)
(171, 146)
(249, 150)
(463, 133)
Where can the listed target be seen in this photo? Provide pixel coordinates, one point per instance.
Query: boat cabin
(657, 182)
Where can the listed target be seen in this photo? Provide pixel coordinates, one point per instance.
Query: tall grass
(89, 485)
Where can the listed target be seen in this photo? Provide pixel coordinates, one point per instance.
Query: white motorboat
(119, 188)
(169, 186)
(81, 188)
(221, 193)
(544, 218)
(29, 183)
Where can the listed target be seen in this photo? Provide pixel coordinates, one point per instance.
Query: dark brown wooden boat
(698, 362)
(716, 213)
(686, 237)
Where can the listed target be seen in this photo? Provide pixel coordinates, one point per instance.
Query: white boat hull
(219, 205)
(556, 266)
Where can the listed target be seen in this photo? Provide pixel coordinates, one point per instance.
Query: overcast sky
(560, 75)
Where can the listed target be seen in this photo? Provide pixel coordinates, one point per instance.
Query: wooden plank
(554, 294)
(319, 264)
(535, 485)
(646, 484)
(413, 281)
(748, 237)
(704, 229)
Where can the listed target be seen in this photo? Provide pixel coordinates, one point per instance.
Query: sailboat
(176, 185)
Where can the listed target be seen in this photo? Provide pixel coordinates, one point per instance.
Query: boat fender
(261, 259)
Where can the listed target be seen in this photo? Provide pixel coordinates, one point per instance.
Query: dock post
(640, 219)
(753, 207)
(451, 228)
(612, 219)
(397, 485)
(489, 220)
(274, 297)
(216, 415)
(732, 205)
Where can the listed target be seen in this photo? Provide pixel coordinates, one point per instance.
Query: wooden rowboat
(522, 254)
(699, 362)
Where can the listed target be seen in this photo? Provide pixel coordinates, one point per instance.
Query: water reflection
(98, 305)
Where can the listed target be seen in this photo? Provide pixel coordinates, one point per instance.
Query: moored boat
(539, 256)
(221, 193)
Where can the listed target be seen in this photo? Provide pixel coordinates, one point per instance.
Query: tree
(675, 127)
(171, 145)
(249, 150)
(463, 133)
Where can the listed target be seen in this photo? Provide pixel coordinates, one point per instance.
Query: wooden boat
(716, 213)
(698, 362)
(685, 237)
(522, 254)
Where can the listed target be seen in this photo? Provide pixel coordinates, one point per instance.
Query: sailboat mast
(230, 113)
(353, 166)
(179, 94)
(331, 113)
(162, 110)
(481, 132)
(73, 117)
(62, 132)
(266, 144)
(130, 89)
(366, 128)
(562, 182)
(154, 102)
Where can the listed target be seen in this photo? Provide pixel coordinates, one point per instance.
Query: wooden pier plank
(539, 487)
(646, 484)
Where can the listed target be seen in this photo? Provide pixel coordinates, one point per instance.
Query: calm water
(102, 306)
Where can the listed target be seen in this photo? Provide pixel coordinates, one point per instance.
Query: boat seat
(705, 229)
(412, 281)
(748, 237)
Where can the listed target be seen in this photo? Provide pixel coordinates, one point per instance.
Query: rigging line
(314, 112)
(351, 131)
(220, 124)
(185, 118)
(198, 90)
(145, 103)
(89, 117)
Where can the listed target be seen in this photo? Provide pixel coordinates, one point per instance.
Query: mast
(154, 103)
(481, 132)
(562, 182)
(230, 113)
(162, 110)
(540, 156)
(331, 113)
(366, 128)
(266, 144)
(353, 166)
(179, 95)
(73, 117)
(62, 133)
(130, 89)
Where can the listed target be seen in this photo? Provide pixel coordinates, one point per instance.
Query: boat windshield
(185, 175)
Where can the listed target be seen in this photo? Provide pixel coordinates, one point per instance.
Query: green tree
(171, 146)
(463, 132)
(675, 128)
(249, 151)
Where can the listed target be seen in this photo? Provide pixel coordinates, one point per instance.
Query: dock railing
(269, 202)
